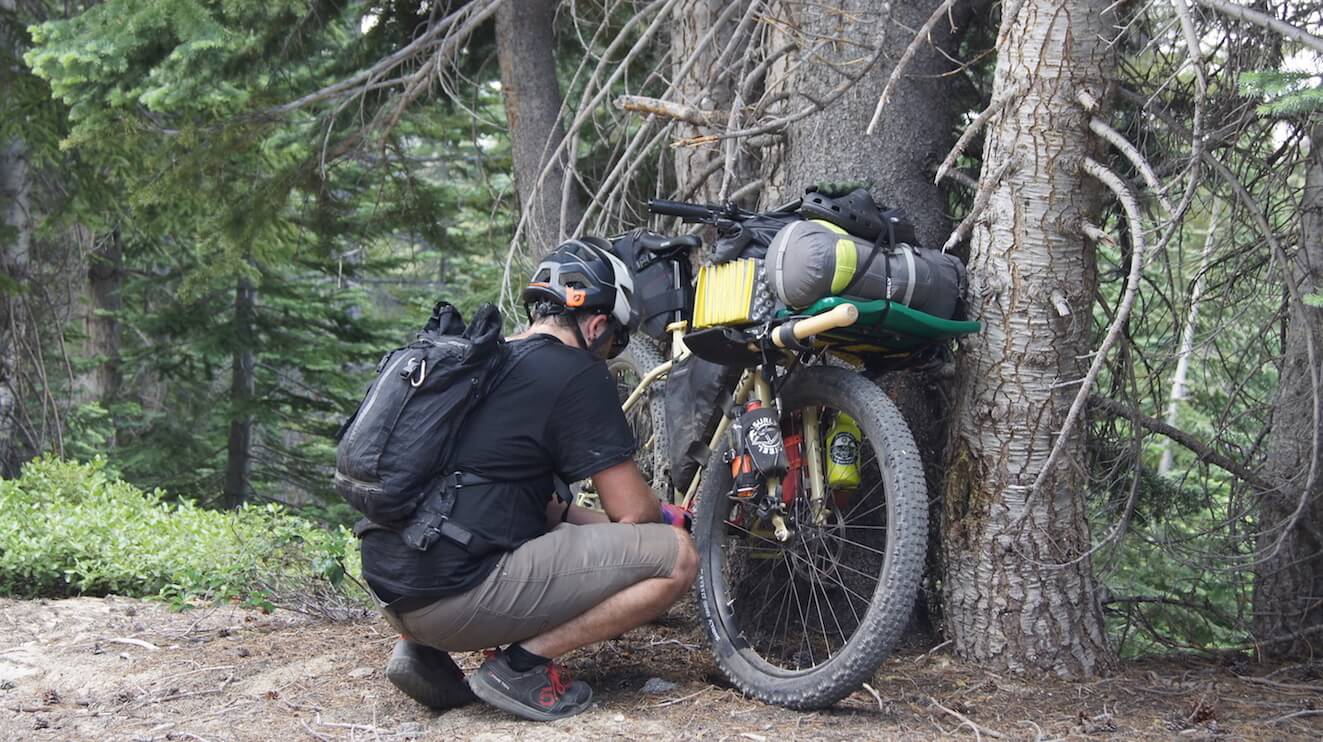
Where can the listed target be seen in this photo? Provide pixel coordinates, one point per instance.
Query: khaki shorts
(543, 584)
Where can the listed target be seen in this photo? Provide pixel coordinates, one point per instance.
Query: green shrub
(73, 529)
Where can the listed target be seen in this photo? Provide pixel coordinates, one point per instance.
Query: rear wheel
(805, 622)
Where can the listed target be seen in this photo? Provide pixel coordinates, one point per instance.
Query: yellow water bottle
(843, 452)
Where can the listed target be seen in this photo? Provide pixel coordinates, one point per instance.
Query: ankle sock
(522, 660)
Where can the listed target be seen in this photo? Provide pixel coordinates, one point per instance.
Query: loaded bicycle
(811, 515)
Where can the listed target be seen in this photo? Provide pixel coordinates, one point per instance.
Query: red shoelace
(560, 678)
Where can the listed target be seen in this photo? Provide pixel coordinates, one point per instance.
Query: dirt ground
(121, 669)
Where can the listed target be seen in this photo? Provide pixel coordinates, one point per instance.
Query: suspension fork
(813, 452)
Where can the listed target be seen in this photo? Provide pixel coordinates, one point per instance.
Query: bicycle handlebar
(688, 211)
(842, 315)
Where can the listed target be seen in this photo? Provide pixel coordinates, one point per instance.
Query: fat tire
(893, 599)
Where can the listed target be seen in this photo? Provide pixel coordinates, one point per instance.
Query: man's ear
(594, 327)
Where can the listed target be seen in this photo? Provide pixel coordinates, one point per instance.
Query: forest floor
(121, 669)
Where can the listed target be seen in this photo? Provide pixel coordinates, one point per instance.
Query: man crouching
(542, 577)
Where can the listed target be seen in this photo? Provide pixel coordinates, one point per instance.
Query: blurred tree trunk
(1288, 585)
(16, 239)
(243, 387)
(525, 42)
(101, 305)
(1019, 593)
(16, 231)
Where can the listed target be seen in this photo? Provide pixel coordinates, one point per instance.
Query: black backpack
(393, 461)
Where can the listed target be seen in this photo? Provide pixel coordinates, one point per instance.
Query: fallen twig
(682, 699)
(929, 653)
(134, 642)
(966, 720)
(876, 697)
(1294, 714)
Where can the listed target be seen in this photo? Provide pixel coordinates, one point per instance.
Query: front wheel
(805, 622)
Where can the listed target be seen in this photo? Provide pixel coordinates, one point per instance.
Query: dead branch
(980, 204)
(665, 109)
(1137, 254)
(1099, 127)
(923, 35)
(966, 720)
(1294, 714)
(1240, 12)
(976, 125)
(1202, 451)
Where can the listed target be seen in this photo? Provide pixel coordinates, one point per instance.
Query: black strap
(890, 234)
(432, 518)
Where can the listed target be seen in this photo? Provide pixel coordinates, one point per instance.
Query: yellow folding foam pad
(730, 293)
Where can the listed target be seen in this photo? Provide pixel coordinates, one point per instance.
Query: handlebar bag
(661, 283)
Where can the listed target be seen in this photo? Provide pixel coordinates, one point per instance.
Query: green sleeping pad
(890, 326)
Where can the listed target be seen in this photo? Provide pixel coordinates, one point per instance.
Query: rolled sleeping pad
(811, 259)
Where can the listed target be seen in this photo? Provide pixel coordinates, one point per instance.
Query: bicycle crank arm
(791, 333)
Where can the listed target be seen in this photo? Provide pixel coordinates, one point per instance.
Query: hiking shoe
(545, 693)
(427, 675)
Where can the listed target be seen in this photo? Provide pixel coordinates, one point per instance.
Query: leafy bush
(74, 529)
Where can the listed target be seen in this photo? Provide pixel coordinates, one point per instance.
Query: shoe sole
(405, 675)
(494, 697)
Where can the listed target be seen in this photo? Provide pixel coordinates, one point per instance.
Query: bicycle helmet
(584, 276)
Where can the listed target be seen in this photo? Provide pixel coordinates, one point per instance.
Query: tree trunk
(525, 40)
(16, 232)
(1019, 591)
(712, 173)
(917, 126)
(1187, 340)
(1288, 585)
(100, 305)
(243, 387)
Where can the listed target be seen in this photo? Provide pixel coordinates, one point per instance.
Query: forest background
(218, 213)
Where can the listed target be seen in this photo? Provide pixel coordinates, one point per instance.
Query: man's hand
(674, 515)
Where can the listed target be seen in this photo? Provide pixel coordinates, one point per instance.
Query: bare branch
(980, 204)
(1131, 207)
(976, 125)
(1121, 143)
(904, 61)
(1240, 12)
(665, 109)
(1202, 451)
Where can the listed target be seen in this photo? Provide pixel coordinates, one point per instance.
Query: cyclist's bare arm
(625, 497)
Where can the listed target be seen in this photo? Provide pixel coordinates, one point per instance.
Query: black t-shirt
(556, 411)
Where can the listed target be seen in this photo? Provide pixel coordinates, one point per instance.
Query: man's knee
(686, 559)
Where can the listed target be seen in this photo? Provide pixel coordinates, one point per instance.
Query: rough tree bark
(16, 223)
(16, 238)
(243, 386)
(1019, 593)
(101, 303)
(917, 126)
(1288, 585)
(525, 38)
(711, 84)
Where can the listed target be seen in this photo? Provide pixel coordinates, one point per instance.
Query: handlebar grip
(697, 212)
(842, 315)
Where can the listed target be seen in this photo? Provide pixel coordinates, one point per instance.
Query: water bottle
(842, 441)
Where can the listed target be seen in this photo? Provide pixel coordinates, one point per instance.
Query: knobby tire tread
(890, 606)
